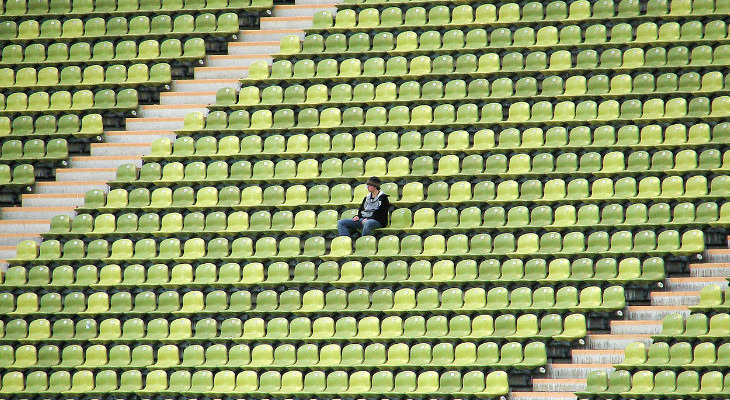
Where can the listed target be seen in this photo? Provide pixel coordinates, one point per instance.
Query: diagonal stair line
(602, 350)
(84, 173)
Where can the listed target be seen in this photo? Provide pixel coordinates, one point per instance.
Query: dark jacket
(381, 213)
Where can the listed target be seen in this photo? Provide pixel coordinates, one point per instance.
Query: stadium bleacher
(551, 163)
(70, 68)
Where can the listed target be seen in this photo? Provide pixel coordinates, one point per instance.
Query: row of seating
(411, 91)
(712, 298)
(141, 198)
(666, 384)
(539, 165)
(678, 356)
(185, 198)
(15, 151)
(436, 15)
(102, 52)
(627, 271)
(208, 148)
(229, 383)
(564, 217)
(603, 137)
(20, 177)
(546, 38)
(519, 218)
(389, 247)
(300, 329)
(140, 27)
(513, 63)
(153, 224)
(63, 101)
(697, 326)
(66, 125)
(489, 355)
(558, 10)
(608, 137)
(88, 77)
(493, 271)
(496, 300)
(520, 113)
(43, 8)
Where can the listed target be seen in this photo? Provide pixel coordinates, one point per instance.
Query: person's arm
(381, 214)
(361, 209)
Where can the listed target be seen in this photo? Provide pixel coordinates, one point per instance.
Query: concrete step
(274, 23)
(636, 327)
(12, 239)
(694, 283)
(589, 356)
(301, 10)
(710, 269)
(614, 342)
(147, 124)
(85, 174)
(543, 396)
(7, 252)
(575, 371)
(270, 35)
(137, 136)
(171, 110)
(53, 200)
(203, 85)
(119, 149)
(169, 98)
(718, 255)
(251, 48)
(686, 298)
(37, 226)
(104, 161)
(69, 187)
(558, 385)
(236, 60)
(220, 72)
(35, 213)
(654, 312)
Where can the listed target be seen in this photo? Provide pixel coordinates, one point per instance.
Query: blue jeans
(346, 227)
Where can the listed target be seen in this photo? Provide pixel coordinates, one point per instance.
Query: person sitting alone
(372, 214)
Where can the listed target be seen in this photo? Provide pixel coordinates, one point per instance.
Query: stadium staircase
(602, 350)
(86, 172)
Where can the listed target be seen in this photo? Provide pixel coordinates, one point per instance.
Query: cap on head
(375, 181)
